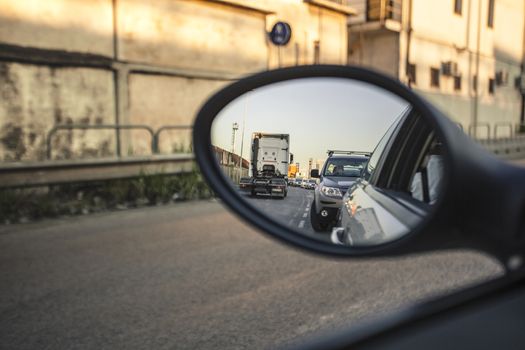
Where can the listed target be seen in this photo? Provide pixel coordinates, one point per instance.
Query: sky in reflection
(318, 113)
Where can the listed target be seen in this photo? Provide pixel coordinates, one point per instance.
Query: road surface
(292, 211)
(193, 276)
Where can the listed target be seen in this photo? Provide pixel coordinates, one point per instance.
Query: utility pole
(242, 132)
(231, 164)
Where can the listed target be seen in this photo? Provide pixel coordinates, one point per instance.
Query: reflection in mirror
(338, 160)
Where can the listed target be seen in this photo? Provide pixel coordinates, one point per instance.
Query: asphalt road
(193, 276)
(292, 211)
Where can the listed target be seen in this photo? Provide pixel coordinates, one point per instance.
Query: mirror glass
(338, 160)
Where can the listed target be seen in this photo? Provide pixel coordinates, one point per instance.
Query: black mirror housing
(314, 173)
(462, 218)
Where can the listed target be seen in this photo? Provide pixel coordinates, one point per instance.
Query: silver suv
(340, 171)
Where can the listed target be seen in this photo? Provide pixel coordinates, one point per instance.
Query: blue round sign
(281, 33)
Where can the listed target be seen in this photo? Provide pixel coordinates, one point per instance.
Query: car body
(311, 184)
(372, 210)
(246, 184)
(339, 172)
(278, 188)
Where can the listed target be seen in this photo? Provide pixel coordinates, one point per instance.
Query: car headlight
(331, 191)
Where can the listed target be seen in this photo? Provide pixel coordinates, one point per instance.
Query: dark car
(278, 188)
(340, 171)
(364, 219)
(246, 184)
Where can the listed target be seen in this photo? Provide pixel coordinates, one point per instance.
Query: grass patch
(30, 204)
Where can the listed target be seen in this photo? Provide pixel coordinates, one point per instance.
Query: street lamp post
(235, 127)
(242, 132)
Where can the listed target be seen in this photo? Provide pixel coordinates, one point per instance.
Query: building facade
(465, 56)
(122, 62)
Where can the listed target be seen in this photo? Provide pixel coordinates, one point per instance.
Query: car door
(382, 206)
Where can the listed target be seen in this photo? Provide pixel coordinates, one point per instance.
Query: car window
(378, 151)
(345, 167)
(427, 181)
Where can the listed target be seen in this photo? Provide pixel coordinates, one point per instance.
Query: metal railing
(474, 127)
(514, 130)
(503, 124)
(381, 10)
(155, 135)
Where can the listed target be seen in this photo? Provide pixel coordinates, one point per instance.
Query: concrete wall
(159, 101)
(76, 26)
(360, 7)
(192, 35)
(137, 62)
(441, 35)
(36, 97)
(376, 52)
(309, 24)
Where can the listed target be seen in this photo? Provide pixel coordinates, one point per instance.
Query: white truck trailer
(270, 158)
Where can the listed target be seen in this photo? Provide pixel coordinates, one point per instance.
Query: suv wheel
(317, 224)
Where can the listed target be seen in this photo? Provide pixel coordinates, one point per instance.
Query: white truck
(270, 158)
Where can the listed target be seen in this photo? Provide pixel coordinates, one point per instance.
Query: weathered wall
(192, 35)
(378, 52)
(171, 101)
(77, 26)
(137, 62)
(310, 24)
(35, 97)
(439, 35)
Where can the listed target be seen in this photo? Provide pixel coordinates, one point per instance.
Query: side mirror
(404, 178)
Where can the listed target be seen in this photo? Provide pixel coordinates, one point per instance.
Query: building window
(411, 73)
(457, 83)
(434, 77)
(490, 19)
(475, 83)
(492, 84)
(458, 6)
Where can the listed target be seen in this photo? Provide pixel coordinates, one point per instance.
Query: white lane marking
(306, 209)
(301, 224)
(305, 214)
